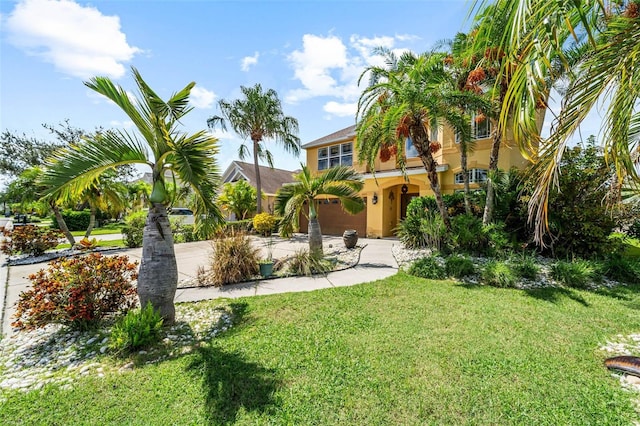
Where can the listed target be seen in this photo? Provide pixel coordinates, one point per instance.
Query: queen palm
(341, 182)
(541, 39)
(159, 145)
(258, 117)
(401, 100)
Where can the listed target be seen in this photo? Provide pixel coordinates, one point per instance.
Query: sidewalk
(376, 262)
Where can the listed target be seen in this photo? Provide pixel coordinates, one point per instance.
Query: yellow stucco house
(388, 192)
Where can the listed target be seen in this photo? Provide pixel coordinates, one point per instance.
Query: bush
(622, 269)
(421, 228)
(264, 223)
(76, 220)
(578, 273)
(458, 266)
(634, 229)
(137, 329)
(78, 292)
(526, 267)
(499, 274)
(467, 234)
(133, 230)
(427, 267)
(305, 263)
(234, 260)
(30, 240)
(245, 225)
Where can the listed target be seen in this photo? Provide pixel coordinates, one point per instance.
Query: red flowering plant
(78, 292)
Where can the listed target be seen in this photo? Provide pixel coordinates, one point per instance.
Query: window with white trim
(475, 176)
(480, 130)
(335, 155)
(410, 150)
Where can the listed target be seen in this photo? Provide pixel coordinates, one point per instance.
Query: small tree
(238, 198)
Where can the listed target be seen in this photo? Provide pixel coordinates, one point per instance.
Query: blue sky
(310, 52)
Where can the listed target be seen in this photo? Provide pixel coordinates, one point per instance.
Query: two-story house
(388, 191)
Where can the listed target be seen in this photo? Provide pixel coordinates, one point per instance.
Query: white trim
(396, 173)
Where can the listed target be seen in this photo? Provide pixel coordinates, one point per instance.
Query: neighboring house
(271, 179)
(387, 193)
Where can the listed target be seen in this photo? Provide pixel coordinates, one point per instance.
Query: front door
(405, 199)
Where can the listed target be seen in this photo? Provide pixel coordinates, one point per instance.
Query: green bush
(499, 274)
(137, 329)
(634, 229)
(526, 267)
(459, 266)
(421, 227)
(75, 220)
(264, 223)
(622, 269)
(304, 263)
(234, 260)
(467, 234)
(577, 273)
(29, 239)
(499, 241)
(133, 230)
(427, 267)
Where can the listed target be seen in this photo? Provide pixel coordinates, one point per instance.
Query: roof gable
(271, 179)
(346, 134)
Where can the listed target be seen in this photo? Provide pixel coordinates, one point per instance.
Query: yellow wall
(384, 216)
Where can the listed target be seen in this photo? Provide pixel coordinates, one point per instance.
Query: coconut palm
(543, 38)
(258, 117)
(402, 99)
(341, 182)
(160, 145)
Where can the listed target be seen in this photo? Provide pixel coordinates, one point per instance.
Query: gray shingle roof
(271, 179)
(345, 134)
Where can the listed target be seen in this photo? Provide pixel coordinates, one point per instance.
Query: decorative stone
(350, 238)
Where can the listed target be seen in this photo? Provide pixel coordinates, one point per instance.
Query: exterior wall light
(374, 199)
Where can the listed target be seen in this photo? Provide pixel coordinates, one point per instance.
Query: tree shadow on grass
(232, 383)
(555, 294)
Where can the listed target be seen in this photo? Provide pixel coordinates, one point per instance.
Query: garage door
(334, 220)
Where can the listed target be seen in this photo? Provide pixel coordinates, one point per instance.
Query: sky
(310, 52)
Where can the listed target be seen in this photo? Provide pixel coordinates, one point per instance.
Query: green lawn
(398, 351)
(109, 229)
(101, 243)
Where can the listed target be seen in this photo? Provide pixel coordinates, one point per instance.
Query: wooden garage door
(334, 220)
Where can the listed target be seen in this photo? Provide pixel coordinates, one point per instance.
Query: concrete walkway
(376, 262)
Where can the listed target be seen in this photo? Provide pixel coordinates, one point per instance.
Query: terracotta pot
(350, 238)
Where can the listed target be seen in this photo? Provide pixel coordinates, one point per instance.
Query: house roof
(345, 134)
(271, 179)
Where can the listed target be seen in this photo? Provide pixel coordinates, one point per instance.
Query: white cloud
(341, 109)
(201, 97)
(248, 61)
(77, 40)
(128, 124)
(327, 67)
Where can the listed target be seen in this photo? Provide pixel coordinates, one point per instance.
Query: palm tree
(159, 145)
(401, 100)
(342, 182)
(542, 41)
(104, 193)
(258, 117)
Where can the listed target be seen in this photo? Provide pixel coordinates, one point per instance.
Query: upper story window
(475, 176)
(409, 149)
(479, 130)
(335, 155)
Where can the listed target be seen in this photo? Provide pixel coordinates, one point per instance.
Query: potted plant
(266, 264)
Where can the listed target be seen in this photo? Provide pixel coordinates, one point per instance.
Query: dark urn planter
(350, 238)
(266, 269)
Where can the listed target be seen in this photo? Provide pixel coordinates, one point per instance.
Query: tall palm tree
(401, 100)
(342, 182)
(540, 40)
(160, 145)
(258, 117)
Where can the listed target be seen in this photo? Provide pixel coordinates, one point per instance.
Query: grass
(101, 243)
(403, 350)
(114, 228)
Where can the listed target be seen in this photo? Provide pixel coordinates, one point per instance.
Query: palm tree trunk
(315, 237)
(489, 205)
(158, 276)
(421, 143)
(92, 221)
(258, 182)
(465, 177)
(62, 224)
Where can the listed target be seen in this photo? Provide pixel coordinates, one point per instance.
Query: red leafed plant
(29, 239)
(78, 292)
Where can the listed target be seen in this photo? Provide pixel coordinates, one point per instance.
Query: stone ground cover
(403, 350)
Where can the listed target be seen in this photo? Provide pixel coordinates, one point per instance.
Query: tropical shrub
(78, 292)
(238, 198)
(634, 229)
(578, 273)
(133, 229)
(76, 220)
(467, 234)
(427, 267)
(139, 328)
(305, 263)
(234, 260)
(423, 226)
(459, 266)
(623, 269)
(499, 273)
(30, 240)
(526, 267)
(264, 223)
